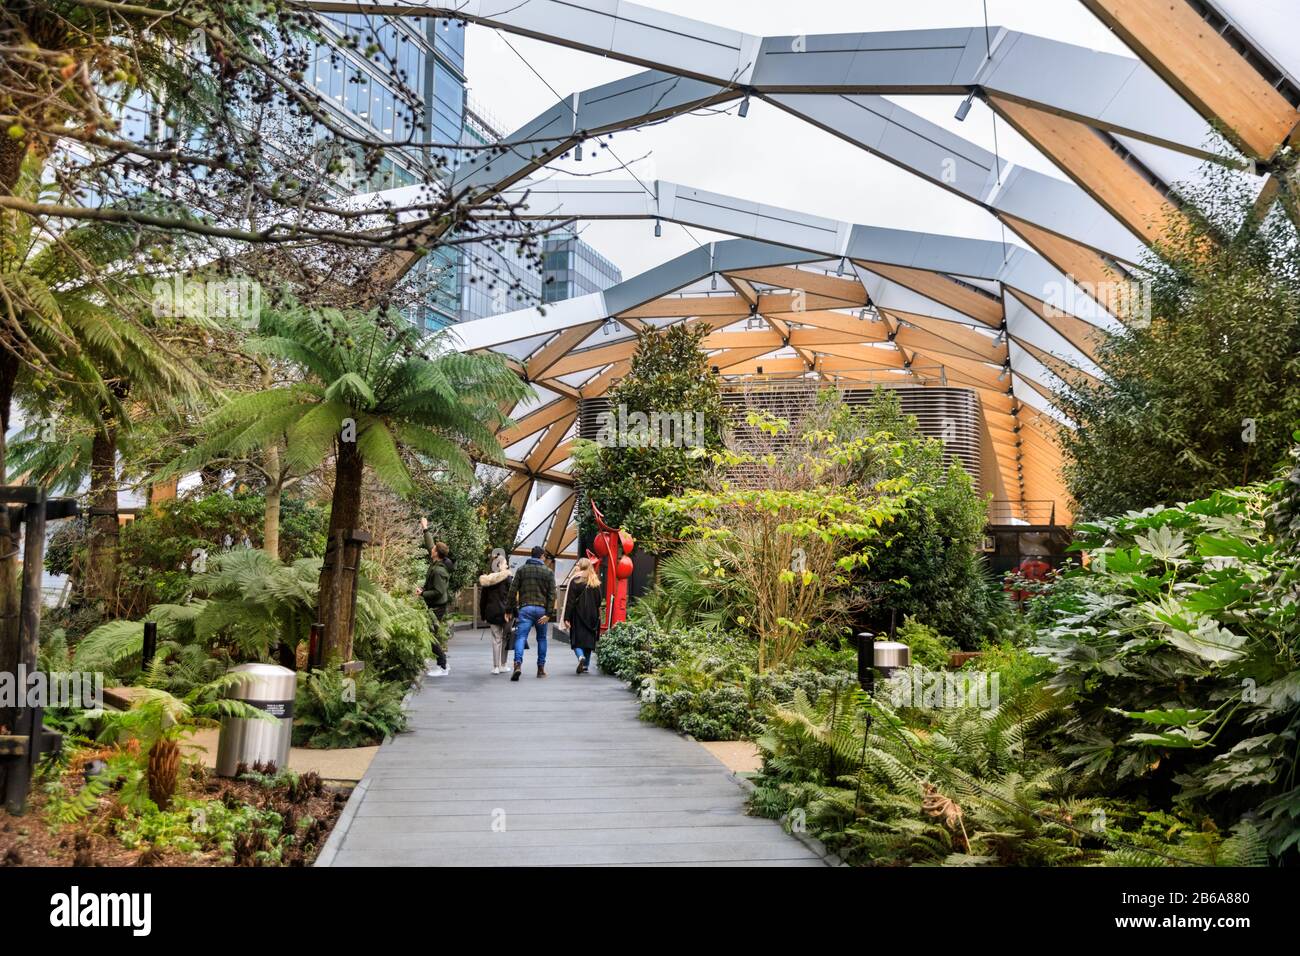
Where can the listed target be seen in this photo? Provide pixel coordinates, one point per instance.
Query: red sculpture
(613, 546)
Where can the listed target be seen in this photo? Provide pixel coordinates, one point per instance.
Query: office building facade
(478, 279)
(428, 57)
(574, 268)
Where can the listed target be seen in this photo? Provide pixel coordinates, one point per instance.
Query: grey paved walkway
(543, 773)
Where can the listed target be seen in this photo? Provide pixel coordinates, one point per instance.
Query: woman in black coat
(582, 613)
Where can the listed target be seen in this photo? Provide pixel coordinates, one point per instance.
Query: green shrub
(669, 371)
(334, 712)
(157, 549)
(242, 607)
(397, 652)
(198, 826)
(705, 682)
(956, 786)
(930, 649)
(456, 520)
(1018, 668)
(827, 658)
(696, 584)
(1177, 647)
(962, 786)
(930, 567)
(632, 649)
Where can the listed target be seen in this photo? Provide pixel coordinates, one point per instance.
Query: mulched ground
(28, 840)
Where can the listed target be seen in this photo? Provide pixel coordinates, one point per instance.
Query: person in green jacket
(531, 602)
(436, 595)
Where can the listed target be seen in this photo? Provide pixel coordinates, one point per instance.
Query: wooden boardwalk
(554, 772)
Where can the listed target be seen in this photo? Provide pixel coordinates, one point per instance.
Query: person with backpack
(494, 588)
(531, 602)
(582, 612)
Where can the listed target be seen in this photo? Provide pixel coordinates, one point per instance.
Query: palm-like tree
(74, 302)
(375, 387)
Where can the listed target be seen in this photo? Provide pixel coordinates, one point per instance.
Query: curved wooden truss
(789, 295)
(836, 302)
(1112, 124)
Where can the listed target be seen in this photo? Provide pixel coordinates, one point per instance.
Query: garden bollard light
(891, 656)
(866, 655)
(884, 656)
(150, 647)
(316, 647)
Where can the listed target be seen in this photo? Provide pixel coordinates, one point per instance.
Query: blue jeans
(525, 621)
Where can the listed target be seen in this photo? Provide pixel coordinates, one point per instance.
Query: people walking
(531, 602)
(494, 588)
(436, 594)
(582, 612)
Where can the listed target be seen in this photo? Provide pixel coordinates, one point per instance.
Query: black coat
(492, 601)
(582, 615)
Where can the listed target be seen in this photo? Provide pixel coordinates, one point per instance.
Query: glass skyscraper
(574, 268)
(479, 279)
(428, 56)
(495, 278)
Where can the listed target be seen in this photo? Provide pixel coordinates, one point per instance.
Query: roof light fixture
(964, 107)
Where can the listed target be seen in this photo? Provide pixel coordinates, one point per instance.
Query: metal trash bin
(269, 688)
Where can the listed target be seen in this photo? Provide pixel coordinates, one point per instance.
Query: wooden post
(9, 612)
(338, 607)
(27, 720)
(26, 739)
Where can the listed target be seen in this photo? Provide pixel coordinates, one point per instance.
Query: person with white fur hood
(493, 589)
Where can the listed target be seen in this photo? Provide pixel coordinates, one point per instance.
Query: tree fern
(953, 786)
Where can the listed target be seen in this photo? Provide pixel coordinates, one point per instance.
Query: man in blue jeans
(531, 602)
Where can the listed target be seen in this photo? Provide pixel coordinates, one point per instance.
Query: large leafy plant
(1177, 646)
(696, 584)
(930, 566)
(137, 737)
(333, 711)
(795, 522)
(242, 608)
(376, 393)
(960, 786)
(704, 681)
(669, 373)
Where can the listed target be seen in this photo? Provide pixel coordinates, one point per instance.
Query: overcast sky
(768, 156)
